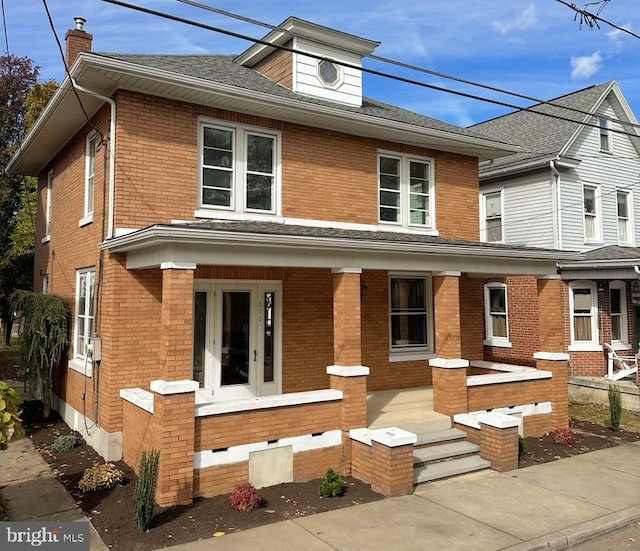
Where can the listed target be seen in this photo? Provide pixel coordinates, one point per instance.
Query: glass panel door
(236, 357)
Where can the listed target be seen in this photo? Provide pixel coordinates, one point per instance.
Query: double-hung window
(605, 136)
(592, 220)
(83, 326)
(239, 168)
(48, 213)
(618, 310)
(492, 216)
(405, 186)
(623, 205)
(410, 315)
(496, 315)
(583, 302)
(89, 178)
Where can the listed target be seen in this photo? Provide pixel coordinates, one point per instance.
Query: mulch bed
(112, 515)
(588, 437)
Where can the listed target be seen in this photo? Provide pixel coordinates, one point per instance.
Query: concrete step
(443, 452)
(447, 469)
(439, 437)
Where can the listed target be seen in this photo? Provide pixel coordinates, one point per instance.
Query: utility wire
(68, 74)
(400, 63)
(592, 19)
(6, 34)
(357, 67)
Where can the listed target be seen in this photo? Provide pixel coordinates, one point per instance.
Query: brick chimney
(78, 41)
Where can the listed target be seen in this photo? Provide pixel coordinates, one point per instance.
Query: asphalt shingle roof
(222, 69)
(540, 137)
(612, 252)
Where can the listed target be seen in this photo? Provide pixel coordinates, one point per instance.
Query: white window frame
(604, 135)
(623, 343)
(48, 213)
(490, 338)
(592, 345)
(405, 353)
(91, 149)
(597, 215)
(81, 360)
(484, 232)
(628, 220)
(405, 195)
(237, 207)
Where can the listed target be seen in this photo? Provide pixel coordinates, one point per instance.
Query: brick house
(250, 248)
(572, 187)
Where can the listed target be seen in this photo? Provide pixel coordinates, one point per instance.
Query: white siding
(527, 209)
(619, 169)
(306, 79)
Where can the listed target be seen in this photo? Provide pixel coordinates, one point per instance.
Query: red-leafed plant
(245, 497)
(563, 436)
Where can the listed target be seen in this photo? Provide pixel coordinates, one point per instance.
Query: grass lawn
(600, 415)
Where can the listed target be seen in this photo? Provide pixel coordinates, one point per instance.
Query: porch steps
(444, 454)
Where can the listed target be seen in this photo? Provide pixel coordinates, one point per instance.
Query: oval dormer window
(328, 72)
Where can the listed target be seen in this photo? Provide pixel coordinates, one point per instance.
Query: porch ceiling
(283, 245)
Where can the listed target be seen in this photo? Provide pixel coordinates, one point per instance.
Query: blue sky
(533, 47)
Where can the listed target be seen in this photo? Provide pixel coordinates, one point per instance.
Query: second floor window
(591, 213)
(405, 190)
(49, 206)
(623, 211)
(90, 173)
(239, 169)
(605, 138)
(492, 213)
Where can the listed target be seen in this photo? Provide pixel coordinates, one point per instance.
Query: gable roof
(544, 138)
(216, 80)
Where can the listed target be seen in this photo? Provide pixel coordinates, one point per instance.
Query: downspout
(555, 190)
(112, 152)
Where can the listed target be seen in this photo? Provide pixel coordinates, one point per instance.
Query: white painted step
(444, 451)
(446, 469)
(440, 436)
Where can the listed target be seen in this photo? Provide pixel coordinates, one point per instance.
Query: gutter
(112, 150)
(597, 264)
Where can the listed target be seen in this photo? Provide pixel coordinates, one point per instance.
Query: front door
(237, 339)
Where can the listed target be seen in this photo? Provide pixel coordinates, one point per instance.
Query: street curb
(575, 535)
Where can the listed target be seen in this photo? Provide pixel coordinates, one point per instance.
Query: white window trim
(491, 340)
(605, 130)
(89, 179)
(238, 188)
(331, 86)
(623, 343)
(483, 215)
(594, 344)
(630, 221)
(414, 353)
(48, 208)
(598, 215)
(404, 190)
(80, 360)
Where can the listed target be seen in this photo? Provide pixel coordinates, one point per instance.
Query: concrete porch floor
(409, 409)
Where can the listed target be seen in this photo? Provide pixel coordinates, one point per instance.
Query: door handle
(255, 355)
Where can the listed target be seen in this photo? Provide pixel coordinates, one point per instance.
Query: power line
(592, 19)
(357, 67)
(400, 63)
(6, 34)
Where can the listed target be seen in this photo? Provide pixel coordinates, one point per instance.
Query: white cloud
(585, 66)
(526, 20)
(616, 38)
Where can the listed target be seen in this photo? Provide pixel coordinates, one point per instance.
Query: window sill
(619, 345)
(587, 347)
(593, 241)
(46, 239)
(213, 213)
(422, 230)
(498, 343)
(78, 364)
(410, 356)
(86, 220)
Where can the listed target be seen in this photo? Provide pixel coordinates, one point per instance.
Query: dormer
(306, 74)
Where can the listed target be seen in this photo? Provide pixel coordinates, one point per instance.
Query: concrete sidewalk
(550, 506)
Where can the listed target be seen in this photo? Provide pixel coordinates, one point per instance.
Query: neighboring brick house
(573, 187)
(249, 246)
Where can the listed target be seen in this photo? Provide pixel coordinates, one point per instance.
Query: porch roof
(252, 243)
(609, 262)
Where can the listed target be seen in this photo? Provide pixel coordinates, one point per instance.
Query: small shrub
(563, 436)
(10, 423)
(332, 485)
(64, 443)
(144, 493)
(522, 446)
(102, 476)
(245, 497)
(615, 406)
